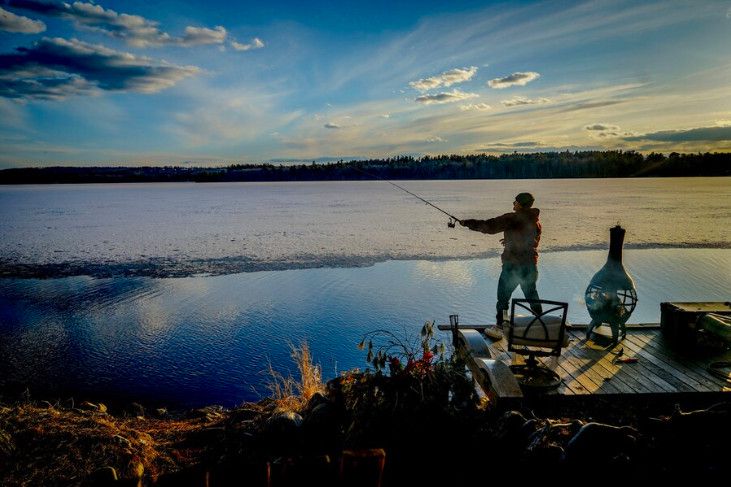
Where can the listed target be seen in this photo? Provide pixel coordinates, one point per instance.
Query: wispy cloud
(234, 120)
(606, 131)
(480, 107)
(445, 97)
(135, 30)
(57, 68)
(521, 100)
(9, 22)
(434, 139)
(332, 125)
(446, 79)
(196, 36)
(601, 126)
(255, 43)
(710, 134)
(591, 105)
(515, 79)
(513, 146)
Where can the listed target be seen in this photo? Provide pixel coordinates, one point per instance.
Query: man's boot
(501, 318)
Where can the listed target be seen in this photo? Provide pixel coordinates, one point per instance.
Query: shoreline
(165, 267)
(41, 442)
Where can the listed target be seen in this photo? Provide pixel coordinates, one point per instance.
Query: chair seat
(536, 334)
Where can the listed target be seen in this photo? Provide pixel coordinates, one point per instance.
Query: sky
(218, 82)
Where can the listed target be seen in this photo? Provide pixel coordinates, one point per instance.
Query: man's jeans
(513, 275)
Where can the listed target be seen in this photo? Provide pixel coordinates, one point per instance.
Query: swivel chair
(540, 332)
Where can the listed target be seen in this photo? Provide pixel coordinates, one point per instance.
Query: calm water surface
(201, 340)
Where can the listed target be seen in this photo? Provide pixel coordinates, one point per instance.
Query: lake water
(159, 331)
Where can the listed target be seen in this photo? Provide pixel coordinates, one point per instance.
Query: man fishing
(520, 258)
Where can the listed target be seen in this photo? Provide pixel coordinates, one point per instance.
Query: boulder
(599, 443)
(284, 421)
(208, 413)
(90, 406)
(136, 409)
(321, 426)
(282, 431)
(122, 441)
(315, 401)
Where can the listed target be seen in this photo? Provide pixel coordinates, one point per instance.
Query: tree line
(539, 165)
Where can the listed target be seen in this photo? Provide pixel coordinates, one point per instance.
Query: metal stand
(534, 376)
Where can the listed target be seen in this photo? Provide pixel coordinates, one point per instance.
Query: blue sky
(211, 83)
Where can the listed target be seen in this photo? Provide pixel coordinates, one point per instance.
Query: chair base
(535, 378)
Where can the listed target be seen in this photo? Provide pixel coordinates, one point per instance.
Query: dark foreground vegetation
(588, 164)
(413, 418)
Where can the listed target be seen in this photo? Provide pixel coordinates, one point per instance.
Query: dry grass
(290, 393)
(42, 445)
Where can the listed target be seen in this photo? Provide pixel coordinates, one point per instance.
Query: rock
(90, 406)
(711, 421)
(599, 443)
(102, 477)
(315, 401)
(510, 425)
(243, 415)
(122, 441)
(284, 421)
(209, 413)
(136, 409)
(321, 427)
(529, 428)
(282, 431)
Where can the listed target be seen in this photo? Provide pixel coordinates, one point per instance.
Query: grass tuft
(290, 393)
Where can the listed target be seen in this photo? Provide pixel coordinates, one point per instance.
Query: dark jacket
(522, 234)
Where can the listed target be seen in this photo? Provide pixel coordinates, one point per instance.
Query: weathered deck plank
(677, 364)
(625, 374)
(696, 366)
(589, 369)
(683, 382)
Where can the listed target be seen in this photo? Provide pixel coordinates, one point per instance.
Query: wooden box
(678, 320)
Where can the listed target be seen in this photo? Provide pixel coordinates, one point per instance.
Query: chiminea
(611, 296)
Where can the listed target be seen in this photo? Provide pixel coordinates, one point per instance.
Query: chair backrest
(541, 331)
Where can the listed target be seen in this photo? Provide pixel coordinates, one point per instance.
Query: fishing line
(452, 218)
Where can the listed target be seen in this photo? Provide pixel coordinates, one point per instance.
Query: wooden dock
(647, 368)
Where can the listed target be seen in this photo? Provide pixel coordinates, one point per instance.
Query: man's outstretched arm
(493, 225)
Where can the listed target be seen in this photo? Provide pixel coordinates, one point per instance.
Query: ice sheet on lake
(183, 229)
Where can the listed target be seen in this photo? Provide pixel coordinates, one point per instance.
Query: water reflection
(452, 272)
(202, 340)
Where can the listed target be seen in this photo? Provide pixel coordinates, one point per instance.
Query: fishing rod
(452, 219)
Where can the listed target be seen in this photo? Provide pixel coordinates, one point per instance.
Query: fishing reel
(451, 223)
